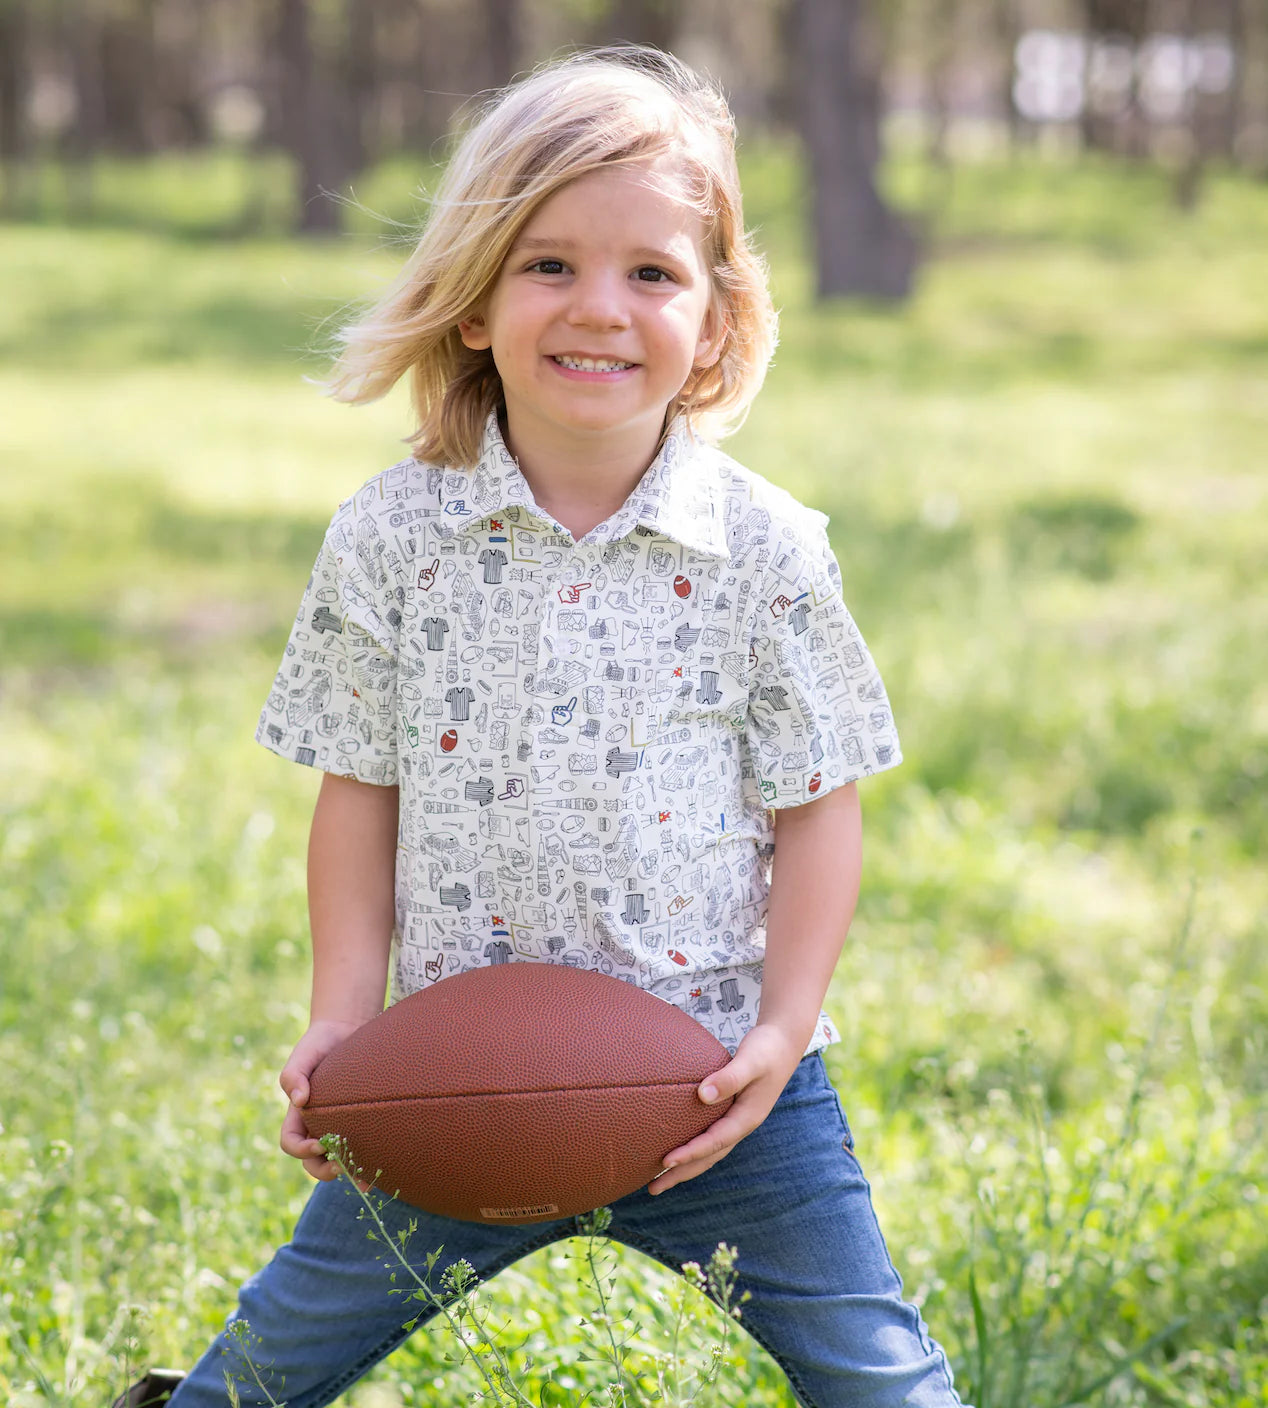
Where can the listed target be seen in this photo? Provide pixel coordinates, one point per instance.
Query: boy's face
(609, 270)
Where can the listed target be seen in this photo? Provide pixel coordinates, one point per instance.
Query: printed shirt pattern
(587, 735)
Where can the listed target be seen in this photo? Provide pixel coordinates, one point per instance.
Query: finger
(720, 1137)
(683, 1173)
(293, 1123)
(301, 1146)
(678, 1169)
(729, 1081)
(322, 1169)
(295, 1139)
(295, 1084)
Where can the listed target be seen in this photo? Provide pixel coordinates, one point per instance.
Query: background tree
(654, 22)
(1123, 128)
(862, 247)
(318, 127)
(503, 20)
(15, 74)
(1006, 29)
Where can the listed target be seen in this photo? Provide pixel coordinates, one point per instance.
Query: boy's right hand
(320, 1039)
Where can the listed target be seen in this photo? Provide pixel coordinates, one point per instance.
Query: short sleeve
(333, 704)
(818, 714)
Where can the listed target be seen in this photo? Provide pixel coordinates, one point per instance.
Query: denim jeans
(826, 1301)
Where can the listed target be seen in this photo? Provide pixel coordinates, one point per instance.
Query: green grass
(1045, 479)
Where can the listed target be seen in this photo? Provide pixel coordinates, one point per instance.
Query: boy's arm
(814, 888)
(351, 904)
(351, 909)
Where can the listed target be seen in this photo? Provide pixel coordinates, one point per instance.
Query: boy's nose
(597, 303)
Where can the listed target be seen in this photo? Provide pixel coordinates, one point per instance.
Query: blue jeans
(826, 1301)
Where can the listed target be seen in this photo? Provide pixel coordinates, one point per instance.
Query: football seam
(498, 1094)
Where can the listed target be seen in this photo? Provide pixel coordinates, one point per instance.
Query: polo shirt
(588, 734)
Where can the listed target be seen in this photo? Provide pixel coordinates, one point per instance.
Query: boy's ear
(474, 332)
(712, 338)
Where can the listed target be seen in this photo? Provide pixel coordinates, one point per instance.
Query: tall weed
(1100, 1245)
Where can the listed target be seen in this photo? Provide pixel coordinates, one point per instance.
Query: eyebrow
(643, 252)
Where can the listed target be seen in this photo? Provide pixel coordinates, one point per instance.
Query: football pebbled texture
(518, 1092)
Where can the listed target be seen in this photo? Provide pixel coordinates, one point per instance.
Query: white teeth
(592, 364)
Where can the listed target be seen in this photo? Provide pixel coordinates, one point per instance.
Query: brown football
(518, 1092)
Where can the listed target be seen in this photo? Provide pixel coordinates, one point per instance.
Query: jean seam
(398, 1337)
(922, 1335)
(650, 1249)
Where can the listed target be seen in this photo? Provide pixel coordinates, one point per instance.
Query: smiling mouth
(592, 364)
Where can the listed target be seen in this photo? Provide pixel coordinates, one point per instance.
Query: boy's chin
(593, 422)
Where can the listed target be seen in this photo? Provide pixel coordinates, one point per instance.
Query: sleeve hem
(378, 773)
(831, 784)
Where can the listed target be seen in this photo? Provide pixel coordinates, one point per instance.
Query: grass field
(1047, 488)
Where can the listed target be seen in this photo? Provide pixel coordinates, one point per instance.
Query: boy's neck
(581, 481)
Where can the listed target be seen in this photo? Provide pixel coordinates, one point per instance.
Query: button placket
(554, 561)
(570, 581)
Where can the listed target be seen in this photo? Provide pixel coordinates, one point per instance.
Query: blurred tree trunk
(15, 72)
(354, 80)
(1233, 111)
(178, 47)
(297, 110)
(438, 65)
(503, 20)
(653, 22)
(1007, 33)
(1127, 131)
(125, 60)
(318, 129)
(1211, 113)
(862, 247)
(1188, 177)
(939, 43)
(784, 92)
(80, 36)
(1252, 89)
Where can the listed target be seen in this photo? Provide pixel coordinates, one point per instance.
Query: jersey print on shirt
(587, 735)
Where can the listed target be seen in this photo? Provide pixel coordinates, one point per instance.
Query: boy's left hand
(756, 1075)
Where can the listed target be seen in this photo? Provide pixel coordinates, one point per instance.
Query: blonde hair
(624, 105)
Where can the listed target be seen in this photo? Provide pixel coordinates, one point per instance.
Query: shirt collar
(679, 495)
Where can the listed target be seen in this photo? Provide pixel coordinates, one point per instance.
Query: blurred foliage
(1046, 488)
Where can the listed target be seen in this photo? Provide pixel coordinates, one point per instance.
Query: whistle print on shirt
(587, 735)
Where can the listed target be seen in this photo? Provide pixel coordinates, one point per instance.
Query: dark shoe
(155, 1389)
